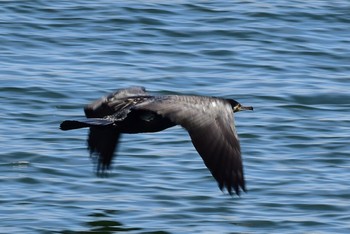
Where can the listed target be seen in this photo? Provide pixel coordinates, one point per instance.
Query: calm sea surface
(288, 59)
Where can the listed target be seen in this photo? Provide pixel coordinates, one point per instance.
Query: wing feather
(103, 141)
(210, 124)
(110, 104)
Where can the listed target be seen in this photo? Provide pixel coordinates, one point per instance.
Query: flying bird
(208, 120)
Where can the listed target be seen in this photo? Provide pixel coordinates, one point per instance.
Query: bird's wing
(103, 140)
(112, 103)
(102, 143)
(210, 124)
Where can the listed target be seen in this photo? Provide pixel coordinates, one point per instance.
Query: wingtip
(235, 190)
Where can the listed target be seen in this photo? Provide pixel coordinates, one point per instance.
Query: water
(288, 59)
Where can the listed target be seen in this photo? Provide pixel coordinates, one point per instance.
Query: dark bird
(208, 120)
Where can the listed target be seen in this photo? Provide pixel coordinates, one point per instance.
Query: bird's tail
(84, 123)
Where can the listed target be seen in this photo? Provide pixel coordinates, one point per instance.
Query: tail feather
(84, 123)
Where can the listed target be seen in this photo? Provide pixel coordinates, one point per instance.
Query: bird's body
(208, 120)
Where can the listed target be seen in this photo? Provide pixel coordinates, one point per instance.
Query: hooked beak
(239, 107)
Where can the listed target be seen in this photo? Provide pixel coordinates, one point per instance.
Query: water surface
(288, 59)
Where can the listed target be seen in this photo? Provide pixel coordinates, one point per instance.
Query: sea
(290, 60)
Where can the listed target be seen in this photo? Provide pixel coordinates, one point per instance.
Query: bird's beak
(245, 108)
(242, 108)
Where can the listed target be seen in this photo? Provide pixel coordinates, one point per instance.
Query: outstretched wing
(103, 140)
(210, 124)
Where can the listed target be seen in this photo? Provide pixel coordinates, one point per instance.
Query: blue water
(288, 59)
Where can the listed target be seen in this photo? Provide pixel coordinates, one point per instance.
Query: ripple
(287, 59)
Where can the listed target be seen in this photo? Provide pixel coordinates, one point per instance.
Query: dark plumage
(208, 120)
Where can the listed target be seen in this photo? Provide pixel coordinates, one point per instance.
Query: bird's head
(236, 106)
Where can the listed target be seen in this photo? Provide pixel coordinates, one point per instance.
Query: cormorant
(208, 120)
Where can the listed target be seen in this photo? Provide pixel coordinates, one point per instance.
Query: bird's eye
(237, 107)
